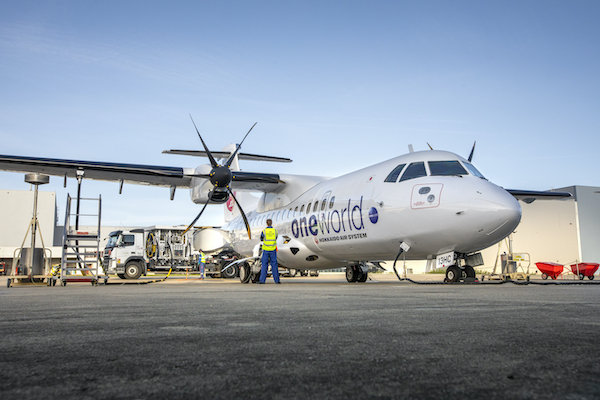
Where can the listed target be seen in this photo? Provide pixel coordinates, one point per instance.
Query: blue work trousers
(269, 257)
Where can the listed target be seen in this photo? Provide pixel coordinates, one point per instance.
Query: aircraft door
(320, 211)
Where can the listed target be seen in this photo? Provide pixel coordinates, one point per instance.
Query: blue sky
(334, 85)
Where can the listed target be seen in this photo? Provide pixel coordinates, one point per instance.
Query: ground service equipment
(131, 254)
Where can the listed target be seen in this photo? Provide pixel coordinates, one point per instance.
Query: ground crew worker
(269, 254)
(201, 263)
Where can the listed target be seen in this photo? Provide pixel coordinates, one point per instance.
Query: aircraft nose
(498, 213)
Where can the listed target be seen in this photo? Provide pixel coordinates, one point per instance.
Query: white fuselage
(361, 217)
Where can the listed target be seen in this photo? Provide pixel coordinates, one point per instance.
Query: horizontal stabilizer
(529, 196)
(226, 154)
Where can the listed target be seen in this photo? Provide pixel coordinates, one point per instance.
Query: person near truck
(201, 263)
(269, 253)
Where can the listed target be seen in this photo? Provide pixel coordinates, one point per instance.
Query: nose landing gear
(454, 273)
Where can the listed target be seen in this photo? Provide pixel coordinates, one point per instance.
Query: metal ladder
(81, 249)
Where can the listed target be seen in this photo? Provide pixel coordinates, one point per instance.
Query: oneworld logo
(347, 219)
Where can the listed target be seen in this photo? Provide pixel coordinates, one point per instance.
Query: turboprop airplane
(431, 205)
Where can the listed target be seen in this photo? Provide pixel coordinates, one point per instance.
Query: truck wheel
(133, 270)
(292, 272)
(230, 272)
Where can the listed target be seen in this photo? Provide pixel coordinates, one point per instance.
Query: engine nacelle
(201, 187)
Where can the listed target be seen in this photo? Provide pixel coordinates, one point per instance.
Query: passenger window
(331, 202)
(316, 207)
(446, 168)
(323, 204)
(414, 170)
(393, 176)
(308, 208)
(295, 210)
(278, 213)
(302, 209)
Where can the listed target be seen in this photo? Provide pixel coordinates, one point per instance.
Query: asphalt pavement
(318, 338)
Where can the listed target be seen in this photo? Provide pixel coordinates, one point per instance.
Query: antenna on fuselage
(410, 148)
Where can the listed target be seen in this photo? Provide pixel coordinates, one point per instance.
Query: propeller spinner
(220, 176)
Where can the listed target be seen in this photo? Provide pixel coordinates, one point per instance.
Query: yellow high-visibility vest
(270, 239)
(202, 257)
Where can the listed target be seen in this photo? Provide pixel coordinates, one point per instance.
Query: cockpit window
(474, 170)
(393, 176)
(414, 170)
(446, 168)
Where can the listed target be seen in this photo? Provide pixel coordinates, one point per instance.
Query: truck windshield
(112, 241)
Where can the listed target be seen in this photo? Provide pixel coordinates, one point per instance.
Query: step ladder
(80, 260)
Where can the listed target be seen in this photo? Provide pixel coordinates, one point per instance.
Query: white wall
(16, 211)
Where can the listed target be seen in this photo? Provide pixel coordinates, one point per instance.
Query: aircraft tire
(351, 273)
(245, 273)
(453, 273)
(469, 271)
(362, 276)
(255, 277)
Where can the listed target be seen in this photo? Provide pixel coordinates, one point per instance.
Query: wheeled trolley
(584, 269)
(550, 269)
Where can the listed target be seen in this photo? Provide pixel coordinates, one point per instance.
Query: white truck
(131, 254)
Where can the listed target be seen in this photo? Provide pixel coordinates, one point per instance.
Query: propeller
(220, 176)
(472, 152)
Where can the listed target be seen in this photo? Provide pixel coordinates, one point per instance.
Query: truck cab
(124, 254)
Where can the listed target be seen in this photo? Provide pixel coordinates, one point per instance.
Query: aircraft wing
(104, 171)
(529, 196)
(131, 173)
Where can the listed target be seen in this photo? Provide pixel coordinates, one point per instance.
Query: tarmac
(311, 337)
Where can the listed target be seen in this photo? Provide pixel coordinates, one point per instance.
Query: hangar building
(562, 231)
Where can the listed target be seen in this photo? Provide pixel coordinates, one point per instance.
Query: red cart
(550, 269)
(585, 269)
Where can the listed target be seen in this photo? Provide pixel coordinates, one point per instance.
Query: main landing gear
(357, 273)
(250, 273)
(454, 273)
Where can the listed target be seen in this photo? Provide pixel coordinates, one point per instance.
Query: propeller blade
(472, 151)
(195, 219)
(213, 162)
(242, 212)
(230, 160)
